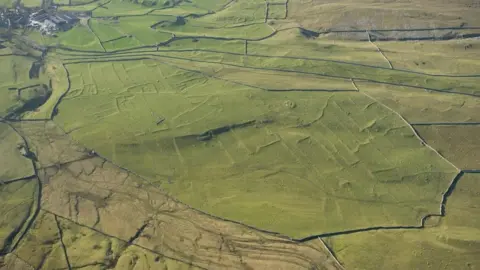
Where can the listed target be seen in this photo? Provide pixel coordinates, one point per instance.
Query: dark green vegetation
(243, 135)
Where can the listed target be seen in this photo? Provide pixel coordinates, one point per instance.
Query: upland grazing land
(244, 134)
(431, 248)
(14, 164)
(458, 143)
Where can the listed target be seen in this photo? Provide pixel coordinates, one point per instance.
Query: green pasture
(420, 106)
(14, 75)
(272, 125)
(105, 29)
(120, 8)
(31, 3)
(302, 153)
(196, 29)
(233, 46)
(42, 245)
(451, 242)
(212, 5)
(436, 57)
(17, 205)
(84, 7)
(49, 143)
(7, 3)
(183, 9)
(14, 164)
(243, 12)
(459, 144)
(267, 80)
(276, 11)
(376, 14)
(139, 29)
(59, 83)
(78, 240)
(79, 37)
(344, 70)
(292, 43)
(122, 44)
(62, 2)
(328, 68)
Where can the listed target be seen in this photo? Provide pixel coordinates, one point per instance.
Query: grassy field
(105, 29)
(277, 11)
(14, 165)
(419, 106)
(17, 205)
(120, 8)
(381, 14)
(95, 212)
(450, 243)
(459, 144)
(87, 7)
(245, 12)
(59, 84)
(153, 125)
(16, 86)
(49, 143)
(300, 154)
(448, 57)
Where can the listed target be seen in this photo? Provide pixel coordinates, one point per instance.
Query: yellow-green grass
(180, 10)
(267, 80)
(105, 29)
(13, 164)
(276, 11)
(192, 28)
(81, 2)
(31, 3)
(50, 145)
(233, 46)
(6, 50)
(79, 38)
(86, 7)
(59, 84)
(17, 205)
(7, 3)
(263, 170)
(139, 29)
(37, 37)
(14, 74)
(184, 44)
(41, 247)
(122, 44)
(460, 144)
(292, 43)
(242, 12)
(145, 259)
(327, 68)
(453, 243)
(381, 14)
(62, 2)
(419, 106)
(96, 194)
(11, 261)
(437, 57)
(334, 69)
(86, 247)
(212, 5)
(120, 8)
